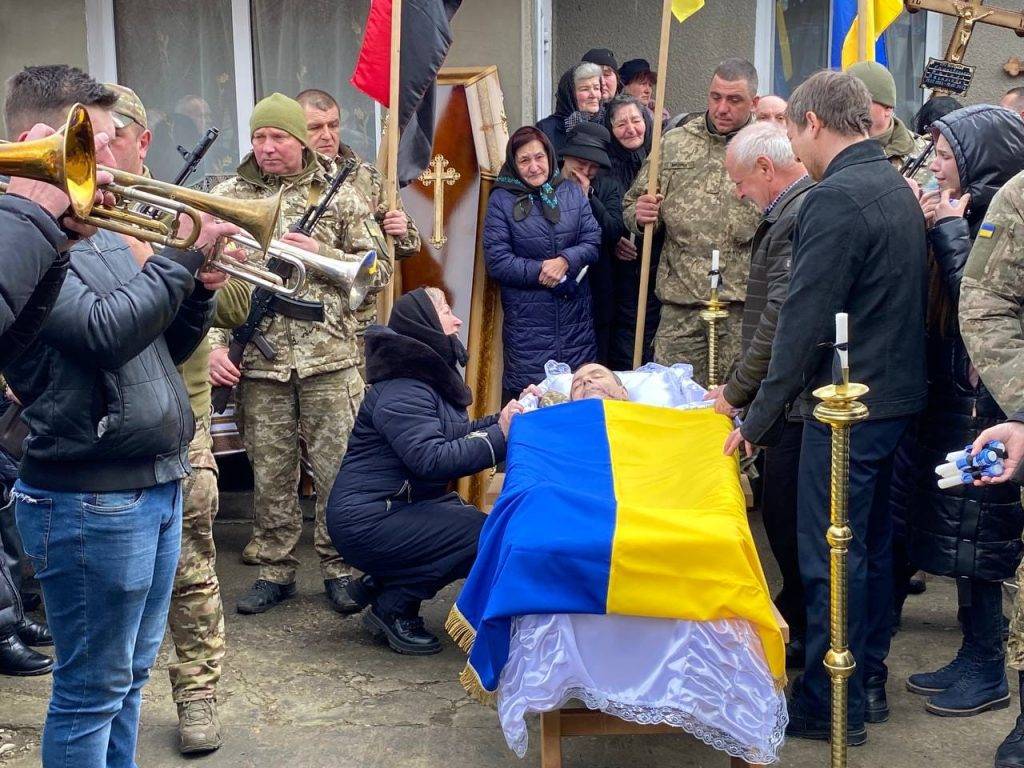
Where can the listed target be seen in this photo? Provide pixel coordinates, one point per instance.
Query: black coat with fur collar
(412, 436)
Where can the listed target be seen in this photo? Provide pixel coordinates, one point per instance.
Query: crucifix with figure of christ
(439, 174)
(950, 75)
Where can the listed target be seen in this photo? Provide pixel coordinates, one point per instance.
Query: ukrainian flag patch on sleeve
(987, 230)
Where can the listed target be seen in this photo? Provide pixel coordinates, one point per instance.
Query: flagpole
(865, 23)
(653, 170)
(393, 134)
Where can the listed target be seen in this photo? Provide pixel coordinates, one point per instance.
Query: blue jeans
(869, 604)
(106, 564)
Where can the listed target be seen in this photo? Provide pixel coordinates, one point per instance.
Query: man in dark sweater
(859, 248)
(98, 499)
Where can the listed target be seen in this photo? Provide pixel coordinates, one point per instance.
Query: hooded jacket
(965, 531)
(412, 435)
(540, 323)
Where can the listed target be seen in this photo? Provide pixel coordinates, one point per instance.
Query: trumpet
(356, 278)
(257, 217)
(67, 160)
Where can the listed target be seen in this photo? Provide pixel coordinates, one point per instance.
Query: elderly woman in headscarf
(578, 100)
(539, 235)
(631, 127)
(390, 513)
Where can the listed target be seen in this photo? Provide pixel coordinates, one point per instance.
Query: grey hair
(734, 69)
(839, 100)
(765, 139)
(621, 102)
(585, 71)
(436, 296)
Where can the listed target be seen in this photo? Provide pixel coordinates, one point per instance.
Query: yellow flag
(881, 14)
(684, 9)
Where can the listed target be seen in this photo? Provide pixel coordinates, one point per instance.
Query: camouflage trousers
(682, 337)
(322, 410)
(1015, 644)
(196, 616)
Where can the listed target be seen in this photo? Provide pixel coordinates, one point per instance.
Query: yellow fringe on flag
(460, 630)
(475, 689)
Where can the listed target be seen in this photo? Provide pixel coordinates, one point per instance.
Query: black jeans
(869, 602)
(981, 617)
(778, 509)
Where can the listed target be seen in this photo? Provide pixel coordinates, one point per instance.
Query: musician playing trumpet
(309, 383)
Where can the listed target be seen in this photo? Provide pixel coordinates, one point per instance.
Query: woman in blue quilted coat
(539, 236)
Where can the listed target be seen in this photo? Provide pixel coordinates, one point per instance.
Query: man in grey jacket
(98, 498)
(761, 163)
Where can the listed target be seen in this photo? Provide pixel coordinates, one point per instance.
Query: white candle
(843, 338)
(714, 270)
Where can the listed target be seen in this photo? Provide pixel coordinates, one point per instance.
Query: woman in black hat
(585, 162)
(390, 513)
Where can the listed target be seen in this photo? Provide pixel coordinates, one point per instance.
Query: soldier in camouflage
(992, 324)
(196, 615)
(699, 213)
(323, 126)
(311, 388)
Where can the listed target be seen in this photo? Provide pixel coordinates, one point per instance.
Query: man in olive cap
(888, 130)
(131, 141)
(311, 386)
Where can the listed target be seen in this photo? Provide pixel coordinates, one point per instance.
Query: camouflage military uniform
(899, 144)
(196, 616)
(371, 182)
(992, 325)
(700, 213)
(311, 388)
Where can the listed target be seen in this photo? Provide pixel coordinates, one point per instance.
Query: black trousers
(869, 603)
(778, 509)
(414, 551)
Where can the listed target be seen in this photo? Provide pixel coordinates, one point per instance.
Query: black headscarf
(626, 162)
(509, 178)
(414, 316)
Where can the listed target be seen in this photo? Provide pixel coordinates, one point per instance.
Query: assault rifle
(266, 304)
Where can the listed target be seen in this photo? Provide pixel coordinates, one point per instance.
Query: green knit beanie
(879, 81)
(278, 111)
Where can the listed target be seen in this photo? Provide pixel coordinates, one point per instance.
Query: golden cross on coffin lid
(439, 174)
(950, 75)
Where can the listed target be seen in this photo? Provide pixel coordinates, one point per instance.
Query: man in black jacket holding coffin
(390, 513)
(859, 248)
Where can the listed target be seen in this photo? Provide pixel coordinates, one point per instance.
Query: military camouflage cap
(128, 106)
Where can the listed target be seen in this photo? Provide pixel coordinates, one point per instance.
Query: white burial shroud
(708, 678)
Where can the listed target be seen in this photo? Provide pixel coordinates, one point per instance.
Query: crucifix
(950, 75)
(439, 174)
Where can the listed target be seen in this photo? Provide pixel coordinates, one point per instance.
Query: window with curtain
(299, 44)
(177, 56)
(801, 47)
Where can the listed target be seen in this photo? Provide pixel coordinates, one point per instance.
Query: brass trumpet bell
(257, 217)
(67, 160)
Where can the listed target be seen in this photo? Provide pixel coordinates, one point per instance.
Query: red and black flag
(426, 38)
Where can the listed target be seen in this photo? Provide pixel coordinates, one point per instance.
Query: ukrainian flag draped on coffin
(613, 507)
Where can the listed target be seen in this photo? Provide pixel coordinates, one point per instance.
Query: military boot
(981, 688)
(198, 727)
(250, 554)
(263, 596)
(931, 683)
(1011, 752)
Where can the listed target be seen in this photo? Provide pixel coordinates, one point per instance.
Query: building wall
(631, 28)
(988, 51)
(488, 33)
(41, 32)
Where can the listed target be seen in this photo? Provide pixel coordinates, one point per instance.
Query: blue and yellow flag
(613, 507)
(846, 25)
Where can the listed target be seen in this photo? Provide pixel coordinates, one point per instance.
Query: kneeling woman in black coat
(390, 513)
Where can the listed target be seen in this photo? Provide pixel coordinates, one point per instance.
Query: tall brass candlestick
(715, 311)
(840, 409)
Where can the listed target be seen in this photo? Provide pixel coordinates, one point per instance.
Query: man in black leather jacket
(98, 499)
